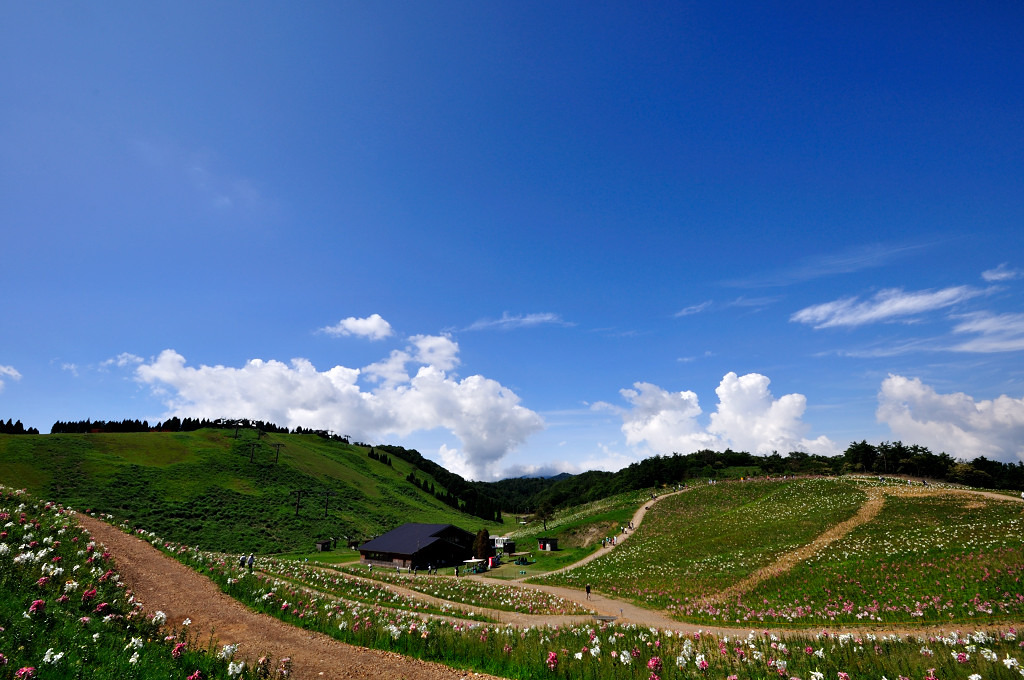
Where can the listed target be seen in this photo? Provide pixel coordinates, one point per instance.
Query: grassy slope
(200, 488)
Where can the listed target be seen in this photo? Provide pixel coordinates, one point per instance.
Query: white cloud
(507, 321)
(373, 327)
(122, 360)
(664, 421)
(997, 332)
(390, 371)
(819, 266)
(748, 418)
(887, 304)
(436, 350)
(954, 423)
(1002, 273)
(10, 372)
(693, 309)
(751, 419)
(484, 415)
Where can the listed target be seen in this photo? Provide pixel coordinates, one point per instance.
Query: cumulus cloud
(664, 421)
(373, 327)
(10, 372)
(892, 303)
(507, 321)
(747, 418)
(1002, 273)
(436, 350)
(751, 419)
(486, 417)
(954, 423)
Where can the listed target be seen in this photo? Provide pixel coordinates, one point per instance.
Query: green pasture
(222, 492)
(944, 558)
(705, 539)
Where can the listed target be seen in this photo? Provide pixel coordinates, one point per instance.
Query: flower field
(606, 651)
(64, 613)
(704, 540)
(476, 594)
(293, 574)
(597, 650)
(936, 558)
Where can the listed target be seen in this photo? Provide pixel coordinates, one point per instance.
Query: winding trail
(164, 584)
(867, 512)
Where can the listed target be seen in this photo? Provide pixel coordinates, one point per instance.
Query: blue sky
(520, 237)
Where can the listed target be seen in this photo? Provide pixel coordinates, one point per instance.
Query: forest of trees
(16, 428)
(487, 499)
(170, 425)
(460, 494)
(887, 458)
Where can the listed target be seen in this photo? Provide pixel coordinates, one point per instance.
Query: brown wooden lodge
(419, 546)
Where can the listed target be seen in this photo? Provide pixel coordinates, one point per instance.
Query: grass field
(51, 626)
(936, 558)
(202, 488)
(601, 650)
(711, 536)
(64, 614)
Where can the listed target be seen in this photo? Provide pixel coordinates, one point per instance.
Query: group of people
(242, 561)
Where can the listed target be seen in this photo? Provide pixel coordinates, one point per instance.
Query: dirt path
(164, 584)
(867, 512)
(620, 538)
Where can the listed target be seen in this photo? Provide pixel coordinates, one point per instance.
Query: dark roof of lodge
(408, 538)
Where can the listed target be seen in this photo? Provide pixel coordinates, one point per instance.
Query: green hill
(211, 489)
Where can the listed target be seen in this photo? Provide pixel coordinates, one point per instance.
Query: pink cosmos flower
(37, 607)
(178, 649)
(25, 672)
(654, 663)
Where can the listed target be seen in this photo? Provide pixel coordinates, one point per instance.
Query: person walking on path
(252, 561)
(588, 591)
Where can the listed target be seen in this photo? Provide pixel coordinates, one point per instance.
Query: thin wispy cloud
(855, 260)
(509, 321)
(9, 372)
(995, 333)
(1002, 273)
(755, 302)
(122, 360)
(886, 305)
(693, 309)
(201, 171)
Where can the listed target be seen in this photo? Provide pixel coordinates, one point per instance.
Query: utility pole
(327, 499)
(298, 497)
(278, 446)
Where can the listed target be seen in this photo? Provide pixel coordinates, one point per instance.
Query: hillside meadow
(937, 555)
(221, 492)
